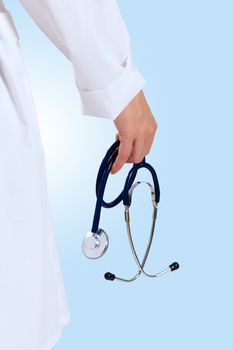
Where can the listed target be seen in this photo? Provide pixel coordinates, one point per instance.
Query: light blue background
(184, 51)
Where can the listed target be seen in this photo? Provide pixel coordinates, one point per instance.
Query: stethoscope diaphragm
(94, 245)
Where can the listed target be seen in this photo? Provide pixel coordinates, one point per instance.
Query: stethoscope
(96, 241)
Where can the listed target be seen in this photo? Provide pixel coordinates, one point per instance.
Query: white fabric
(93, 36)
(33, 304)
(33, 301)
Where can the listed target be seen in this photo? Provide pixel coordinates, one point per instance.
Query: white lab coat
(93, 36)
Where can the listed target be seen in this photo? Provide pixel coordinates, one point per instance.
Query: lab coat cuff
(110, 102)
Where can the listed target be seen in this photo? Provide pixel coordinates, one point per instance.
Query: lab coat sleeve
(93, 36)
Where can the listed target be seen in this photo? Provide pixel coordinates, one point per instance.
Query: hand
(136, 127)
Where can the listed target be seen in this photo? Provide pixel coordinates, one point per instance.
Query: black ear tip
(174, 266)
(109, 276)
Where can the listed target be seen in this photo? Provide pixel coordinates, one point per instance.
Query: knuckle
(153, 128)
(129, 132)
(151, 133)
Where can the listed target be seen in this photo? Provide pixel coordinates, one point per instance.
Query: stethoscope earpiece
(174, 266)
(109, 276)
(95, 242)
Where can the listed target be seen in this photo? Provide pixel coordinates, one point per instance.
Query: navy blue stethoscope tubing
(102, 177)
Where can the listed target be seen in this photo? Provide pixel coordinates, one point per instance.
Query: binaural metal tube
(174, 266)
(127, 220)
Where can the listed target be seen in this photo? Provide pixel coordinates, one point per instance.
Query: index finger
(124, 152)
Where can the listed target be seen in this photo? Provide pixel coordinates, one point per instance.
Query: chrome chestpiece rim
(94, 245)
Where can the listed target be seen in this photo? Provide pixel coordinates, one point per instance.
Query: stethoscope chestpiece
(95, 245)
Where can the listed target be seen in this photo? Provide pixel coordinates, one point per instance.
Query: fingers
(136, 128)
(124, 152)
(131, 151)
(138, 151)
